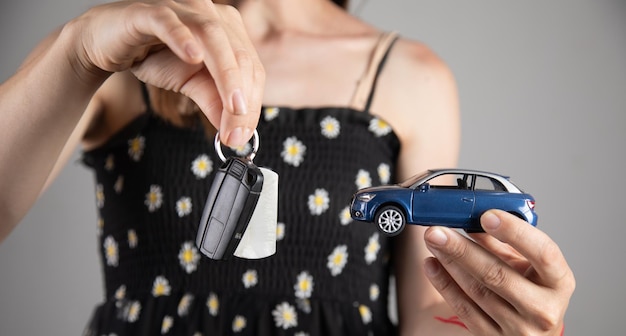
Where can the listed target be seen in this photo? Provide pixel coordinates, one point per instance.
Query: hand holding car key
(243, 198)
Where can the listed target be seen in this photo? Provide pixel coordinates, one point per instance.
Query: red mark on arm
(457, 321)
(451, 320)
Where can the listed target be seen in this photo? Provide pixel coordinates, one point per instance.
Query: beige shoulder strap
(365, 84)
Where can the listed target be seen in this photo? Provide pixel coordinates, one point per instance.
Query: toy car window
(450, 181)
(488, 184)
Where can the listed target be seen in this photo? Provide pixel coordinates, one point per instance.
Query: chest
(313, 74)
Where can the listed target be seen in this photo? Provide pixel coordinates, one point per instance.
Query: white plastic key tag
(259, 239)
(232, 205)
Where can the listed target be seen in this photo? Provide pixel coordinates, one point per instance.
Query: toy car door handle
(468, 199)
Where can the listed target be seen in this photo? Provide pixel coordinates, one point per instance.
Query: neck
(268, 18)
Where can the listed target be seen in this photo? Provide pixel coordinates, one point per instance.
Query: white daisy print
(301, 333)
(270, 113)
(285, 316)
(239, 322)
(188, 257)
(120, 293)
(161, 286)
(111, 251)
(363, 179)
(183, 206)
(250, 278)
(109, 162)
(136, 146)
(213, 303)
(330, 127)
(344, 216)
(319, 202)
(119, 184)
(167, 324)
(337, 260)
(293, 151)
(132, 238)
(379, 127)
(366, 314)
(374, 292)
(202, 166)
(243, 150)
(372, 248)
(154, 198)
(304, 285)
(384, 173)
(280, 231)
(99, 226)
(184, 304)
(132, 311)
(99, 196)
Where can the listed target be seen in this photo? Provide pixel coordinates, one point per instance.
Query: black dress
(329, 275)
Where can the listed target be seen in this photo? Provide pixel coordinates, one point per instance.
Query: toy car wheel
(390, 220)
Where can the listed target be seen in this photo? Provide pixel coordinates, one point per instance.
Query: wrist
(71, 42)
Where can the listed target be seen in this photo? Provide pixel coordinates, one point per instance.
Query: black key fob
(230, 204)
(232, 199)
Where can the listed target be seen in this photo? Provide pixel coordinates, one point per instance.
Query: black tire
(390, 220)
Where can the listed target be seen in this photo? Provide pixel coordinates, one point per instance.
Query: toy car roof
(511, 187)
(467, 171)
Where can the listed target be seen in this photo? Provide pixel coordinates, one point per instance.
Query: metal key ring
(250, 157)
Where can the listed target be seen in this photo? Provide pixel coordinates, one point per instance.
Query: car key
(231, 201)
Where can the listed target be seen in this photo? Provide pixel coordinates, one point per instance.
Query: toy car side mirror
(424, 187)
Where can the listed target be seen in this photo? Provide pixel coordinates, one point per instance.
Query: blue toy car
(448, 197)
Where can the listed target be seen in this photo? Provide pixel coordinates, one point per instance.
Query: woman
(337, 110)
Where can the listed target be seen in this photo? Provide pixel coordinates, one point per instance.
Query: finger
(502, 250)
(541, 251)
(220, 59)
(202, 90)
(474, 318)
(244, 50)
(457, 252)
(475, 287)
(161, 23)
(236, 130)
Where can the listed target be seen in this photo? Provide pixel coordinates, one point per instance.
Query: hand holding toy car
(509, 281)
(513, 280)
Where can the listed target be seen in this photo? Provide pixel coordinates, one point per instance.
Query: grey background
(543, 93)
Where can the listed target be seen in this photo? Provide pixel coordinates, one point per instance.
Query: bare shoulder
(118, 102)
(417, 95)
(415, 77)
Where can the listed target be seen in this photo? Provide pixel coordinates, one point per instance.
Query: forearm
(40, 106)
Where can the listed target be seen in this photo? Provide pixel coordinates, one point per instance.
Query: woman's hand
(194, 47)
(513, 280)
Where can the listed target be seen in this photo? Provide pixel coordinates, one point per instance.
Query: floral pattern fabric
(329, 275)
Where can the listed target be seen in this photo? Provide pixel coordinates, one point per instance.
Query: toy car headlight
(366, 197)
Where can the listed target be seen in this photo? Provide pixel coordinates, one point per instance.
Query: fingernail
(247, 134)
(490, 221)
(431, 267)
(193, 51)
(239, 103)
(437, 236)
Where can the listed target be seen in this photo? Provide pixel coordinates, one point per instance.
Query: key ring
(255, 146)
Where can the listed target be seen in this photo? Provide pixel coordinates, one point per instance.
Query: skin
(81, 86)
